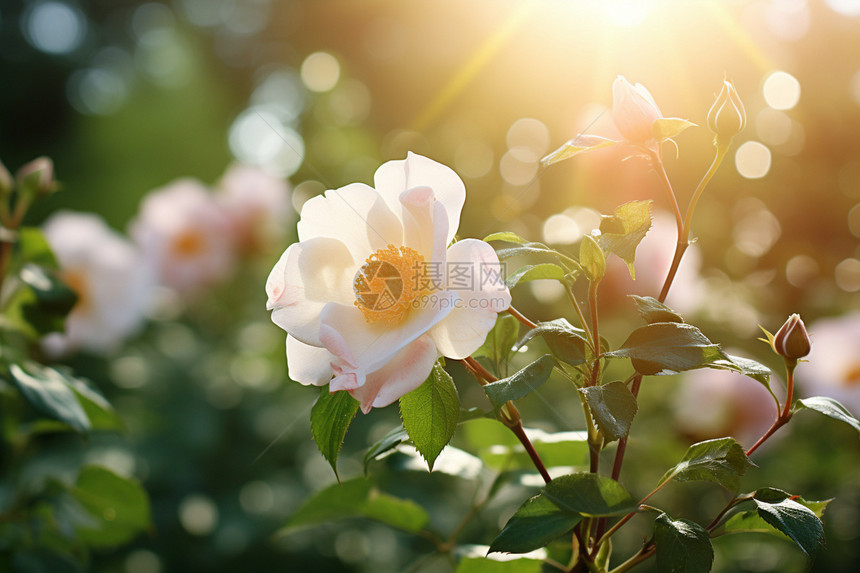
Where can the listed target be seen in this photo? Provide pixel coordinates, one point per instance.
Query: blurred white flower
(257, 206)
(184, 235)
(107, 273)
(834, 362)
(372, 293)
(717, 403)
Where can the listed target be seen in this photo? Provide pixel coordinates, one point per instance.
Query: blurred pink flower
(653, 258)
(633, 111)
(257, 206)
(107, 273)
(372, 293)
(185, 235)
(717, 403)
(834, 362)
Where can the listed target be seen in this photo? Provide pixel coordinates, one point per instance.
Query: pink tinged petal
(362, 347)
(425, 223)
(406, 371)
(308, 365)
(633, 110)
(395, 177)
(356, 215)
(475, 273)
(309, 275)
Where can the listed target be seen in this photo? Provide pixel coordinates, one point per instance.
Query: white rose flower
(257, 205)
(372, 293)
(185, 235)
(834, 361)
(106, 272)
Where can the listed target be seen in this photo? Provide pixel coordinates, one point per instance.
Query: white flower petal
(361, 347)
(309, 275)
(394, 177)
(406, 371)
(357, 215)
(308, 365)
(425, 223)
(474, 273)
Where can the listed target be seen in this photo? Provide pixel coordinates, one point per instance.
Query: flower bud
(5, 180)
(36, 178)
(633, 110)
(791, 341)
(727, 116)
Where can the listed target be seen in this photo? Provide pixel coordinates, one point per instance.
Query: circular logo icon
(378, 286)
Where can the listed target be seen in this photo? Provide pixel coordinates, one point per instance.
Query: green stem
(784, 416)
(644, 553)
(581, 316)
(519, 316)
(685, 227)
(595, 333)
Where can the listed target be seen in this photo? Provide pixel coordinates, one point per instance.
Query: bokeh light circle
(320, 72)
(781, 90)
(845, 7)
(54, 27)
(752, 160)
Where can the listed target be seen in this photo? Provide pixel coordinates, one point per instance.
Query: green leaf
(537, 252)
(722, 460)
(591, 259)
(555, 449)
(430, 413)
(385, 446)
(652, 310)
(330, 419)
(566, 342)
(683, 546)
(49, 393)
(51, 302)
(505, 236)
(522, 383)
(536, 272)
(358, 498)
(788, 516)
(451, 461)
(118, 507)
(579, 144)
(483, 565)
(590, 495)
(534, 525)
(668, 127)
(829, 407)
(745, 366)
(33, 247)
(668, 348)
(751, 520)
(613, 407)
(621, 232)
(499, 344)
(475, 559)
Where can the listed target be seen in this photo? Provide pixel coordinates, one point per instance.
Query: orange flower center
(77, 281)
(852, 375)
(189, 244)
(389, 283)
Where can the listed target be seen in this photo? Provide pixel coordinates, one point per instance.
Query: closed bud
(36, 178)
(5, 180)
(727, 116)
(791, 341)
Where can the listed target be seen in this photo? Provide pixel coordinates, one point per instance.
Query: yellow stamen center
(77, 281)
(189, 244)
(388, 284)
(852, 375)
